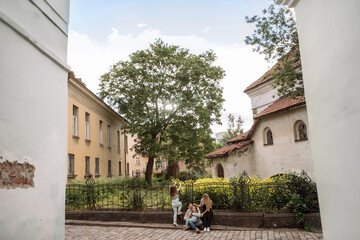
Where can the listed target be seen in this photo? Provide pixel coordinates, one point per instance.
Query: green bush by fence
(242, 193)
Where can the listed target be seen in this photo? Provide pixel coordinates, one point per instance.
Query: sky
(101, 33)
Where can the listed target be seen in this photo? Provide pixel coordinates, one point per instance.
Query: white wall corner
(288, 3)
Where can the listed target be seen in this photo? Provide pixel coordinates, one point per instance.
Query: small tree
(170, 98)
(234, 128)
(276, 37)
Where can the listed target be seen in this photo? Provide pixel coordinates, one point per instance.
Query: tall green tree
(275, 36)
(235, 128)
(170, 98)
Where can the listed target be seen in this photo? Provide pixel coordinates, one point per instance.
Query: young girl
(207, 213)
(176, 204)
(191, 221)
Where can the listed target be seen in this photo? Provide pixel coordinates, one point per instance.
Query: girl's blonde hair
(207, 201)
(172, 191)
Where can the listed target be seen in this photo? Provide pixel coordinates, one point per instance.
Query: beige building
(278, 141)
(138, 163)
(96, 144)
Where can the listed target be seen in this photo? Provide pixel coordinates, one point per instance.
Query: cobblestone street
(74, 232)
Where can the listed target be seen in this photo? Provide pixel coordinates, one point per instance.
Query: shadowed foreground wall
(329, 33)
(33, 108)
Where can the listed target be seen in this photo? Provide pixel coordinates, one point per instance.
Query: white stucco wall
(329, 33)
(262, 96)
(239, 160)
(285, 155)
(33, 107)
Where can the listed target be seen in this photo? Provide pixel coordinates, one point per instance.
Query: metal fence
(239, 195)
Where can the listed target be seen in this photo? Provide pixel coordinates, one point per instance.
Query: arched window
(220, 171)
(268, 137)
(300, 131)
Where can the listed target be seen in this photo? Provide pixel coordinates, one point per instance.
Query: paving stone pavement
(76, 232)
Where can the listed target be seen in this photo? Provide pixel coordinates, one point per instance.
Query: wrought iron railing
(240, 195)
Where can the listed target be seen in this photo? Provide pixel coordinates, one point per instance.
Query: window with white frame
(100, 132)
(125, 143)
(87, 165)
(118, 140)
(138, 173)
(137, 161)
(71, 160)
(75, 121)
(109, 168)
(97, 167)
(108, 136)
(158, 164)
(87, 126)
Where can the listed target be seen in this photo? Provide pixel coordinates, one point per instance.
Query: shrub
(187, 175)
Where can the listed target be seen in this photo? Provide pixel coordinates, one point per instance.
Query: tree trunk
(172, 170)
(149, 170)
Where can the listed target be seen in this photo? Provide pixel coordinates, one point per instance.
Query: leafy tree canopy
(170, 98)
(276, 37)
(234, 128)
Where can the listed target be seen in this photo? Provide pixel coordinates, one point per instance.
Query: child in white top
(175, 202)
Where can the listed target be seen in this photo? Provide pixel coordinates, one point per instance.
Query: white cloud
(89, 60)
(141, 25)
(207, 29)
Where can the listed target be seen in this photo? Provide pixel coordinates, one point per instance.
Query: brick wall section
(16, 175)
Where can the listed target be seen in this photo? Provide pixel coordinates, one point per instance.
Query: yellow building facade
(96, 144)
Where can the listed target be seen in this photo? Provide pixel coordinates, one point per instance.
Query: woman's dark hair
(172, 191)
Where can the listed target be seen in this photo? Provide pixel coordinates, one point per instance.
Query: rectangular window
(159, 165)
(118, 140)
(109, 168)
(138, 173)
(87, 165)
(127, 168)
(100, 132)
(97, 162)
(137, 161)
(108, 135)
(87, 126)
(71, 164)
(75, 120)
(125, 144)
(119, 168)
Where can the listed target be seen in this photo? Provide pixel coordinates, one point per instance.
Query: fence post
(305, 189)
(244, 182)
(90, 193)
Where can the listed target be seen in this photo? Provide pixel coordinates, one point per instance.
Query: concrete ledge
(221, 218)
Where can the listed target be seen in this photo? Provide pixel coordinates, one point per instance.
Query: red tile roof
(282, 104)
(245, 136)
(227, 149)
(279, 105)
(263, 79)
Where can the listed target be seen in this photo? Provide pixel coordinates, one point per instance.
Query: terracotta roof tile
(245, 136)
(227, 149)
(282, 104)
(263, 79)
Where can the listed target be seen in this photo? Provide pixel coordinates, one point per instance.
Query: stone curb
(169, 226)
